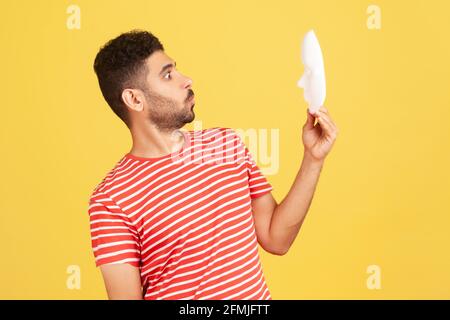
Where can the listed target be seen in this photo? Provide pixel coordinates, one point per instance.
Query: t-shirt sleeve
(114, 239)
(257, 182)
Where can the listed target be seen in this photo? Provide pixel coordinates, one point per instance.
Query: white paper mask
(313, 79)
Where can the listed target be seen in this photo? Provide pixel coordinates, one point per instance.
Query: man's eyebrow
(167, 66)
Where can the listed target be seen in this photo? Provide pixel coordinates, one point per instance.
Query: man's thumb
(309, 121)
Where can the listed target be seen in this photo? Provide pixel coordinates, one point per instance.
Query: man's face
(169, 97)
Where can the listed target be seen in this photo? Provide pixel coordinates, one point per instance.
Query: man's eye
(167, 75)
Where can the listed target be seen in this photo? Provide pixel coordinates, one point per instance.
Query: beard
(166, 114)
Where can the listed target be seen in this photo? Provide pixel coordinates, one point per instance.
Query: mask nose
(301, 82)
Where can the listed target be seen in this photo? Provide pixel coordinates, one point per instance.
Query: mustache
(190, 94)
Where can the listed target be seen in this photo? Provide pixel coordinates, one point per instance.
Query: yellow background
(383, 195)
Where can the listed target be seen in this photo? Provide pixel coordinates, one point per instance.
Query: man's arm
(122, 281)
(277, 225)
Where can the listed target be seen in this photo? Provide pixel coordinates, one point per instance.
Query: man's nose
(188, 83)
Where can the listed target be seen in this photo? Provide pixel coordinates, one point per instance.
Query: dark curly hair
(120, 64)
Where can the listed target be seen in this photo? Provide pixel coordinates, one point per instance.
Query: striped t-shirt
(184, 219)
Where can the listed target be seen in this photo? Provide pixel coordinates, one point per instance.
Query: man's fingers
(328, 119)
(327, 125)
(324, 125)
(323, 109)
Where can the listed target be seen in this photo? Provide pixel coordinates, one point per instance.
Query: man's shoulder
(109, 180)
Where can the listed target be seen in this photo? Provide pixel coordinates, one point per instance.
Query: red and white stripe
(187, 224)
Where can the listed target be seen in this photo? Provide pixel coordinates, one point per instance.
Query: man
(180, 216)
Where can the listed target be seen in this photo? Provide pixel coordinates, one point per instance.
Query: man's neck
(151, 142)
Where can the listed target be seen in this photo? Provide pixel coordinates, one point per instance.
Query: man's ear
(133, 98)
